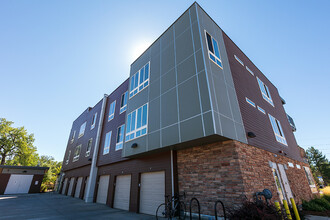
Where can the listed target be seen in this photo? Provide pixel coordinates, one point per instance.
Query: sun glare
(139, 48)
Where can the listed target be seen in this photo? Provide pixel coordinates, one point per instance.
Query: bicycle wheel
(181, 211)
(162, 212)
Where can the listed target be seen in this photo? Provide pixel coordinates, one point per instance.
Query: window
(137, 123)
(277, 130)
(262, 110)
(139, 80)
(94, 120)
(73, 136)
(76, 153)
(107, 142)
(250, 71)
(290, 164)
(298, 166)
(309, 177)
(82, 130)
(214, 53)
(250, 102)
(112, 110)
(68, 158)
(89, 147)
(120, 137)
(265, 92)
(123, 103)
(240, 61)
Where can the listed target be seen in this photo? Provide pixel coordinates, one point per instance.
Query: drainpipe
(93, 172)
(172, 173)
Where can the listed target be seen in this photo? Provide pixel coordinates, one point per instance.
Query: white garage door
(18, 184)
(102, 191)
(71, 186)
(86, 187)
(152, 192)
(122, 192)
(65, 183)
(78, 187)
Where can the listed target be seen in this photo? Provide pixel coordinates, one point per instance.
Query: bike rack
(199, 208)
(215, 210)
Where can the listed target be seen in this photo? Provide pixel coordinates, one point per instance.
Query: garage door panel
(78, 187)
(122, 192)
(18, 184)
(152, 191)
(70, 186)
(65, 183)
(102, 191)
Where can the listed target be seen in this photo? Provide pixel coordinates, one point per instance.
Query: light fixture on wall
(250, 134)
(134, 145)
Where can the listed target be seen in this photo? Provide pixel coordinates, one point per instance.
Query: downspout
(172, 173)
(93, 172)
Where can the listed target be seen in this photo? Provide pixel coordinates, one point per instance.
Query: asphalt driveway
(55, 206)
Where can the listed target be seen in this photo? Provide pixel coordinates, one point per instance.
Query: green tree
(319, 164)
(54, 168)
(16, 145)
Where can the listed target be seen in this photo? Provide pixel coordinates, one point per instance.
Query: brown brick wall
(229, 170)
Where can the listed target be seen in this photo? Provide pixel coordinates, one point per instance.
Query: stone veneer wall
(229, 170)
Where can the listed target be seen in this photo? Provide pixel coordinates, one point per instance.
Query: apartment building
(196, 116)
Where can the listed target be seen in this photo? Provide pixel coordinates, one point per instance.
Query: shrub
(322, 202)
(326, 198)
(312, 206)
(326, 191)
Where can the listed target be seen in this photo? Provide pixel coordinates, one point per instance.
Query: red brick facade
(229, 170)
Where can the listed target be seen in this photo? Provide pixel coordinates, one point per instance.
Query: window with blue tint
(94, 121)
(123, 103)
(112, 110)
(139, 80)
(250, 71)
(213, 48)
(138, 123)
(265, 92)
(262, 110)
(82, 130)
(250, 102)
(277, 128)
(240, 61)
(120, 137)
(107, 142)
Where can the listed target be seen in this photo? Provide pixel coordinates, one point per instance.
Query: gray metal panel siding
(225, 107)
(177, 94)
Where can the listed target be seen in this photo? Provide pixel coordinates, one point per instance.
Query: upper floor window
(68, 158)
(277, 128)
(82, 129)
(139, 80)
(238, 60)
(120, 137)
(250, 102)
(265, 92)
(137, 123)
(107, 142)
(250, 71)
(261, 110)
(123, 103)
(76, 153)
(94, 120)
(214, 53)
(73, 136)
(112, 110)
(89, 147)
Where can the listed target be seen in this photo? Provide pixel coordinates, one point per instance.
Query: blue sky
(59, 57)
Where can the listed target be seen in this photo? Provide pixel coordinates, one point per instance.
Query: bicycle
(165, 210)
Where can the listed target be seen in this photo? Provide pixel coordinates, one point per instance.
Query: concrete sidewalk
(55, 206)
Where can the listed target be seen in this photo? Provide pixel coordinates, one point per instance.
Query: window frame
(212, 53)
(140, 85)
(261, 109)
(249, 70)
(112, 115)
(119, 145)
(137, 132)
(309, 177)
(238, 60)
(94, 120)
(250, 102)
(68, 158)
(265, 91)
(106, 149)
(73, 136)
(82, 132)
(277, 129)
(123, 107)
(76, 157)
(88, 151)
